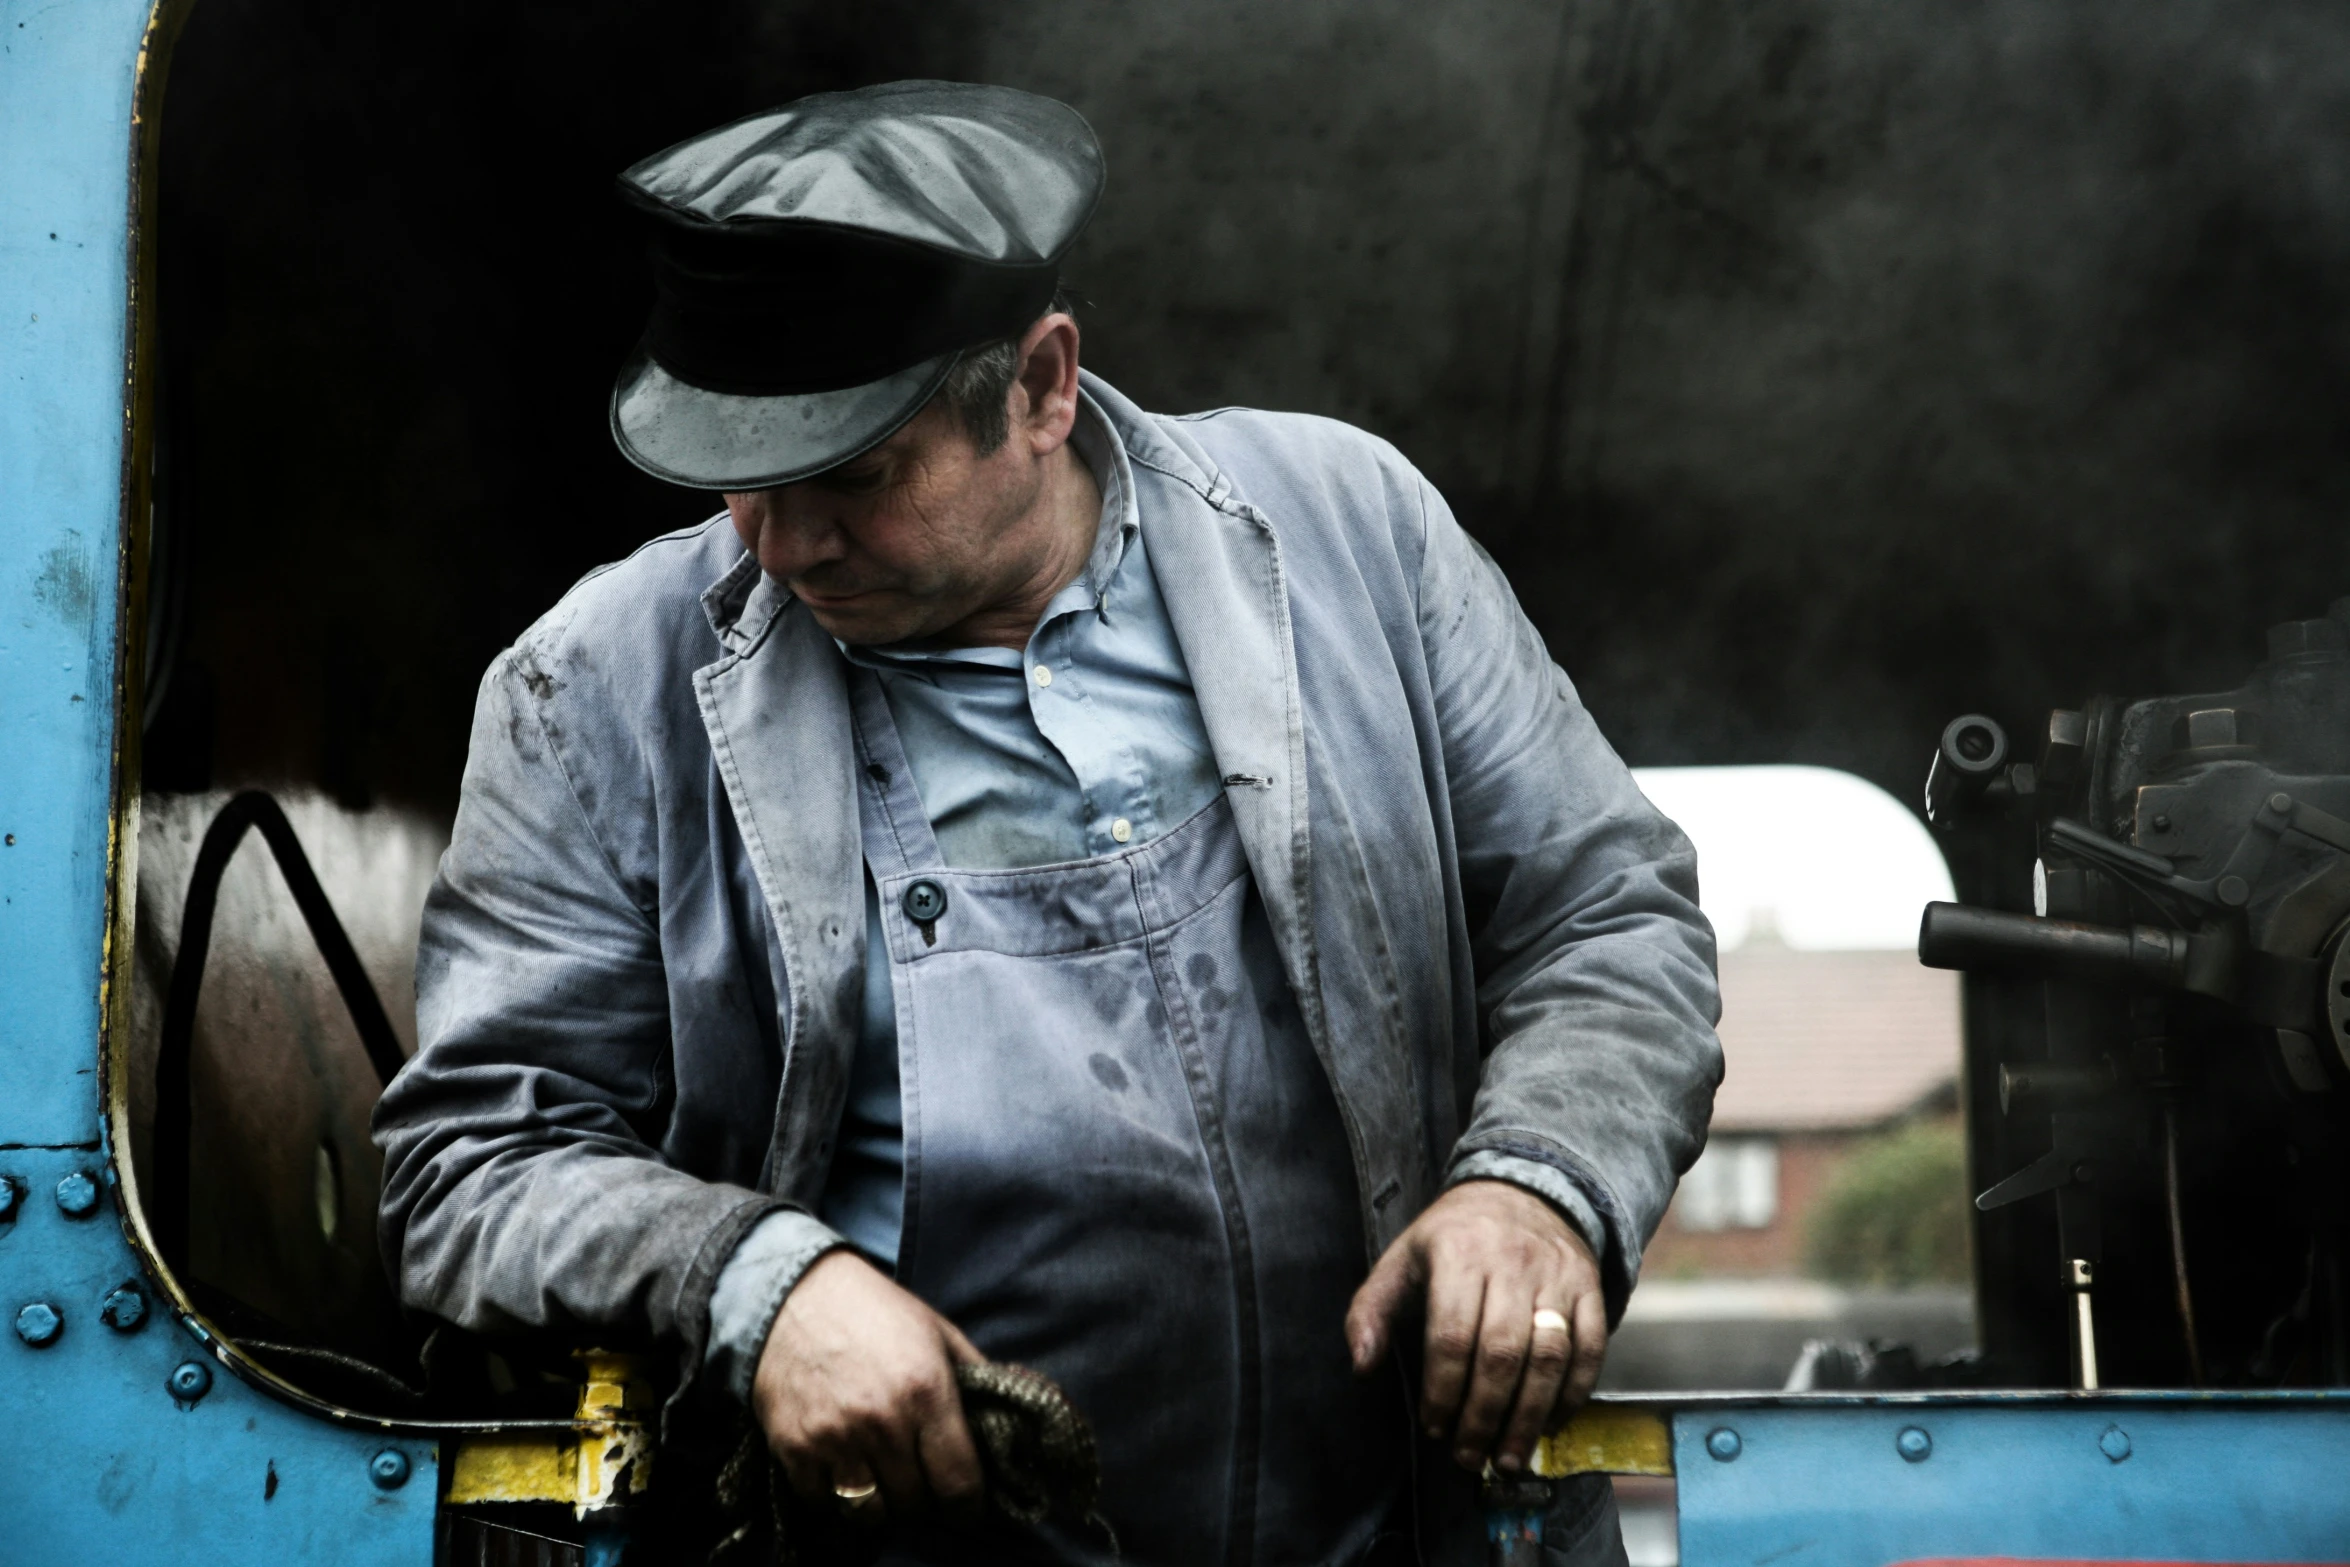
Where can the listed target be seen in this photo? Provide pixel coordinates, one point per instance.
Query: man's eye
(857, 481)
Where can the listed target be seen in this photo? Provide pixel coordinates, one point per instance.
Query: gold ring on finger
(853, 1494)
(1551, 1320)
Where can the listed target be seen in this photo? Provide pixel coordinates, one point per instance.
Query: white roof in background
(1839, 863)
(1831, 1040)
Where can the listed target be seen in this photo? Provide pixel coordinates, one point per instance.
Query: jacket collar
(1163, 448)
(743, 604)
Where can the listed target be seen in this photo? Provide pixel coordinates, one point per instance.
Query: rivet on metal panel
(10, 1193)
(388, 1469)
(1914, 1444)
(77, 1194)
(124, 1309)
(1723, 1443)
(189, 1381)
(2114, 1444)
(39, 1324)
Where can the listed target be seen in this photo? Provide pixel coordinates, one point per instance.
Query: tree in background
(1896, 1210)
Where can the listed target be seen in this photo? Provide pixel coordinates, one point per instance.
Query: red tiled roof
(1831, 1040)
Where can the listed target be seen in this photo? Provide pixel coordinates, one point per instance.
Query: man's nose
(799, 534)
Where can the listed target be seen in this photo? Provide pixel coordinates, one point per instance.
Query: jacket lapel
(776, 709)
(1219, 572)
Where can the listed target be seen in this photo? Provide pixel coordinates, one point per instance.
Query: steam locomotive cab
(2155, 932)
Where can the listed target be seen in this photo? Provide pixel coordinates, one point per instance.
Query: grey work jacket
(638, 983)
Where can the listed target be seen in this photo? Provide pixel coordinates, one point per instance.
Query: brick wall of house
(1807, 1162)
(1823, 1051)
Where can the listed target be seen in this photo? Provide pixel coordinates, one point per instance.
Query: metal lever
(1952, 935)
(2311, 822)
(2231, 887)
(2079, 1274)
(2044, 1174)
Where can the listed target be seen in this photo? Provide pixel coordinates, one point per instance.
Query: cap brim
(725, 441)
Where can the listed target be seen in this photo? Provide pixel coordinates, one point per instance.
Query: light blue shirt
(1086, 742)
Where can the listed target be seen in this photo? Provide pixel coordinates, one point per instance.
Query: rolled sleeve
(1562, 1190)
(765, 1267)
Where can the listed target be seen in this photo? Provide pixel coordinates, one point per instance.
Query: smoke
(1817, 369)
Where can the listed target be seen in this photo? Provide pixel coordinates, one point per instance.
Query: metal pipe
(2178, 1241)
(2053, 1085)
(1972, 750)
(1952, 935)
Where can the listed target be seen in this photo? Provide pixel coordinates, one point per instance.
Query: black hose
(167, 1211)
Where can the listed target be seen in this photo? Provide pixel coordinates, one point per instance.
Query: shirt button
(1122, 829)
(1044, 675)
(924, 901)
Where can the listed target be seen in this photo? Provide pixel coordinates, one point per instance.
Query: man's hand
(1489, 1255)
(856, 1386)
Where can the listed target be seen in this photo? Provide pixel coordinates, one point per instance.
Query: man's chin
(863, 624)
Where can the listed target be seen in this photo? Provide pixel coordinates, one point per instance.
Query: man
(1046, 883)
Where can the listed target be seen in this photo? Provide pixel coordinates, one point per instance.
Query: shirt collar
(1098, 447)
(1101, 450)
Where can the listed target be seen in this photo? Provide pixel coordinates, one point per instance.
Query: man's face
(905, 541)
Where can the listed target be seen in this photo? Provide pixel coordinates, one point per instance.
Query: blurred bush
(1895, 1212)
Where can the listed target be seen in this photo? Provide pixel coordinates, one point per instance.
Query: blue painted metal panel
(107, 1466)
(67, 73)
(1828, 1485)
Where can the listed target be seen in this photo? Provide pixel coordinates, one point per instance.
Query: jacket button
(925, 901)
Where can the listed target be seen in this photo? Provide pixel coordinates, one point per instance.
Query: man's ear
(1044, 393)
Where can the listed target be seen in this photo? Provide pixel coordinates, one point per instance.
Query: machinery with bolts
(2157, 943)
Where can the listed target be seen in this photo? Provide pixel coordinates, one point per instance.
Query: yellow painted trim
(513, 1469)
(613, 1385)
(1611, 1439)
(605, 1459)
(595, 1469)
